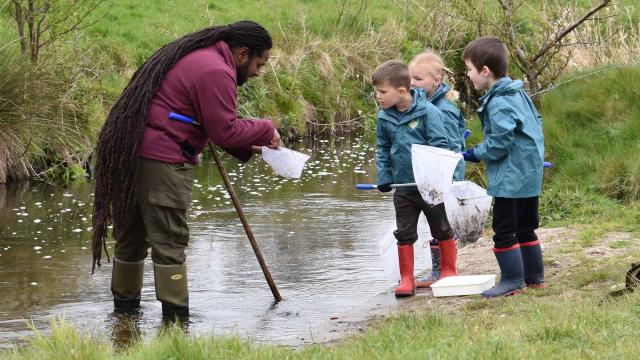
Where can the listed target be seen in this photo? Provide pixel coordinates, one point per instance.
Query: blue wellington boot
(426, 280)
(533, 266)
(511, 273)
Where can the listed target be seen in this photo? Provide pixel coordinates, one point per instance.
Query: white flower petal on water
(37, 248)
(47, 257)
(37, 221)
(34, 284)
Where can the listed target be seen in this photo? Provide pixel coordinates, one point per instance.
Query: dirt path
(473, 259)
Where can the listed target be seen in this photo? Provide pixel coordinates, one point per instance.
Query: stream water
(318, 235)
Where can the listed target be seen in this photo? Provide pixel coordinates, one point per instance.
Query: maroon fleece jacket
(201, 85)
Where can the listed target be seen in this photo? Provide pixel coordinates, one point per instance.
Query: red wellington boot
(448, 258)
(407, 281)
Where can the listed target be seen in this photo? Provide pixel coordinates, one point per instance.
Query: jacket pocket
(171, 214)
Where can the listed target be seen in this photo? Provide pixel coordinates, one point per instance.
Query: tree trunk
(31, 24)
(534, 85)
(19, 16)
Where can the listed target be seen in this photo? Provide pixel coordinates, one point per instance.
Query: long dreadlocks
(119, 141)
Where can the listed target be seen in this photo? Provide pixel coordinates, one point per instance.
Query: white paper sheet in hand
(285, 162)
(433, 171)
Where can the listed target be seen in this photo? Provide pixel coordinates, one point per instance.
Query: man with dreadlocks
(145, 160)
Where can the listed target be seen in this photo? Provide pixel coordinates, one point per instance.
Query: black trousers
(515, 221)
(408, 206)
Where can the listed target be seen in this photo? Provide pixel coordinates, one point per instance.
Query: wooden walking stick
(245, 223)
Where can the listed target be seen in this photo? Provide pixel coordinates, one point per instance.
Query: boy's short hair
(393, 72)
(488, 51)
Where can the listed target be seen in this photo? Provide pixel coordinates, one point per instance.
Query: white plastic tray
(463, 285)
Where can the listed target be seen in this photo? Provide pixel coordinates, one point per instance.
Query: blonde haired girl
(427, 73)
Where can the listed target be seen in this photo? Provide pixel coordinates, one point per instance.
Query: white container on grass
(463, 285)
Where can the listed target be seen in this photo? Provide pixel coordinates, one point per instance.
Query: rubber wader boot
(511, 273)
(427, 280)
(533, 267)
(172, 291)
(126, 284)
(407, 281)
(448, 258)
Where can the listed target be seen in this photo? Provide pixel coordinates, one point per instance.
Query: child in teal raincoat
(427, 72)
(513, 148)
(407, 119)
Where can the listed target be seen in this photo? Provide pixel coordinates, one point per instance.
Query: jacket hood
(503, 86)
(440, 92)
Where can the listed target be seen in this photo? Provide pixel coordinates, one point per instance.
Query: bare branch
(553, 87)
(567, 30)
(76, 26)
(508, 15)
(6, 3)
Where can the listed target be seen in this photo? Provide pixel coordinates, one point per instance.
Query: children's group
(417, 106)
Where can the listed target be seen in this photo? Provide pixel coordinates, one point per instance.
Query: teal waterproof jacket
(513, 144)
(454, 125)
(420, 124)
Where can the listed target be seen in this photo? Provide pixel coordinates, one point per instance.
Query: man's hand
(256, 149)
(276, 142)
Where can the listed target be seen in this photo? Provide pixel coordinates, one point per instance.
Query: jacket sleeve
(436, 134)
(214, 101)
(462, 128)
(384, 170)
(452, 128)
(499, 141)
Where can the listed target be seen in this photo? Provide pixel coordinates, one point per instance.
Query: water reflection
(317, 234)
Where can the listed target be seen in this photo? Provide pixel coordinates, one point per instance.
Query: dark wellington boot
(511, 273)
(533, 266)
(172, 290)
(126, 285)
(427, 280)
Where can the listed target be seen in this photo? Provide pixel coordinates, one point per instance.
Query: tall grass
(592, 131)
(317, 81)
